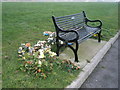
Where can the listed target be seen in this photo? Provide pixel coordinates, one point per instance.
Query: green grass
(0, 45)
(24, 22)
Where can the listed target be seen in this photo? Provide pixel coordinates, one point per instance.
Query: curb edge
(87, 70)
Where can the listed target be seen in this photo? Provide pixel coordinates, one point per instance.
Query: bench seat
(83, 33)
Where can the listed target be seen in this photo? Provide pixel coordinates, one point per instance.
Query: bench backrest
(69, 22)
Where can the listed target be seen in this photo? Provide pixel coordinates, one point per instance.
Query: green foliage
(45, 67)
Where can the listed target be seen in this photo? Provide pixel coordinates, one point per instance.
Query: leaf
(26, 55)
(45, 63)
(26, 65)
(35, 54)
(38, 65)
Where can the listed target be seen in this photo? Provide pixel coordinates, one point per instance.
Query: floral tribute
(40, 60)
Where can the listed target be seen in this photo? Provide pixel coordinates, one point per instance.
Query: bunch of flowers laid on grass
(39, 60)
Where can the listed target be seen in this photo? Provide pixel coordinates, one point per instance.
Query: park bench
(74, 28)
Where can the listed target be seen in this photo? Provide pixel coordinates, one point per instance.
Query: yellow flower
(41, 56)
(19, 52)
(23, 58)
(95, 35)
(47, 50)
(52, 54)
(23, 51)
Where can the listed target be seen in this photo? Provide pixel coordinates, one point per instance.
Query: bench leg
(58, 46)
(75, 51)
(76, 46)
(57, 43)
(99, 36)
(76, 56)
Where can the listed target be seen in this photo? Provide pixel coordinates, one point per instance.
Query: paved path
(105, 74)
(86, 51)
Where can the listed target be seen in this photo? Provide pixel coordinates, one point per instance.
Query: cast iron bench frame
(71, 28)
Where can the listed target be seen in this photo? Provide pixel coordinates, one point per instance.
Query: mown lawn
(0, 45)
(25, 22)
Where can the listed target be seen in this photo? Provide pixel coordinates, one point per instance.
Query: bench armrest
(88, 20)
(69, 31)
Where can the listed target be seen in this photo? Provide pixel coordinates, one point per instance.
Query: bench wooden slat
(68, 15)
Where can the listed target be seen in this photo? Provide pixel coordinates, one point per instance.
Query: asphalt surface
(105, 75)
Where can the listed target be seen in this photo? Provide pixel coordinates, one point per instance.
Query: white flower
(39, 62)
(20, 55)
(36, 45)
(42, 45)
(52, 34)
(23, 52)
(52, 54)
(41, 50)
(49, 40)
(52, 43)
(61, 42)
(41, 42)
(22, 44)
(41, 53)
(31, 49)
(20, 48)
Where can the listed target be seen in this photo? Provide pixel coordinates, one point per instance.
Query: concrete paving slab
(87, 50)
